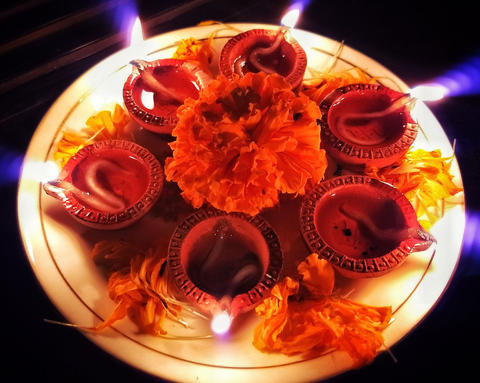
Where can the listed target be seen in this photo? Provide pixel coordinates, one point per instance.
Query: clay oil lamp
(109, 184)
(224, 264)
(269, 51)
(367, 125)
(362, 226)
(154, 91)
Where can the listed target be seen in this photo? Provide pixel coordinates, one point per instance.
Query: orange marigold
(425, 179)
(137, 282)
(311, 321)
(199, 51)
(244, 141)
(103, 125)
(322, 84)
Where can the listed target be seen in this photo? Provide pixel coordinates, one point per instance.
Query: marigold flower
(318, 87)
(425, 179)
(103, 125)
(244, 141)
(198, 51)
(312, 324)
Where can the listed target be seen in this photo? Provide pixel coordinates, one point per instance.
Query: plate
(58, 247)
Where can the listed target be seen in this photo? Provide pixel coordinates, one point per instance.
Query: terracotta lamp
(264, 50)
(366, 125)
(109, 184)
(362, 226)
(154, 91)
(224, 263)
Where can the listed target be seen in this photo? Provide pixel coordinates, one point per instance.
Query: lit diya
(261, 50)
(224, 264)
(367, 125)
(109, 184)
(154, 91)
(362, 226)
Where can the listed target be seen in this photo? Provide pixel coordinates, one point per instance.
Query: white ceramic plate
(58, 248)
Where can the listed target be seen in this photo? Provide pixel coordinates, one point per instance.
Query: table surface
(46, 44)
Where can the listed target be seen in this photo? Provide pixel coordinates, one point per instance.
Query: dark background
(46, 44)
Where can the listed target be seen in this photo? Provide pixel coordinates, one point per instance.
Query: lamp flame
(290, 18)
(221, 323)
(429, 92)
(137, 48)
(41, 171)
(136, 34)
(108, 92)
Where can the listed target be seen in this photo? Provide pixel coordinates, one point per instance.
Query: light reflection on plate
(58, 247)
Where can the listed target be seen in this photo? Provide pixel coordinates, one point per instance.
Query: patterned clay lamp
(265, 50)
(224, 264)
(367, 125)
(109, 184)
(155, 89)
(362, 226)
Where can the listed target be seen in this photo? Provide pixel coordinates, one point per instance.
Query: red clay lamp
(154, 91)
(224, 264)
(109, 184)
(270, 51)
(367, 125)
(362, 226)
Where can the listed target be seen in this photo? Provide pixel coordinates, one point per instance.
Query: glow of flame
(463, 79)
(221, 323)
(28, 216)
(290, 18)
(97, 100)
(107, 92)
(471, 242)
(106, 95)
(429, 92)
(41, 171)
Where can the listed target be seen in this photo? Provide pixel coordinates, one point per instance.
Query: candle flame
(429, 92)
(290, 18)
(221, 323)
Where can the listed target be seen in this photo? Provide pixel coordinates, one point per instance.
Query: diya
(154, 91)
(109, 184)
(362, 226)
(261, 50)
(224, 263)
(366, 125)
